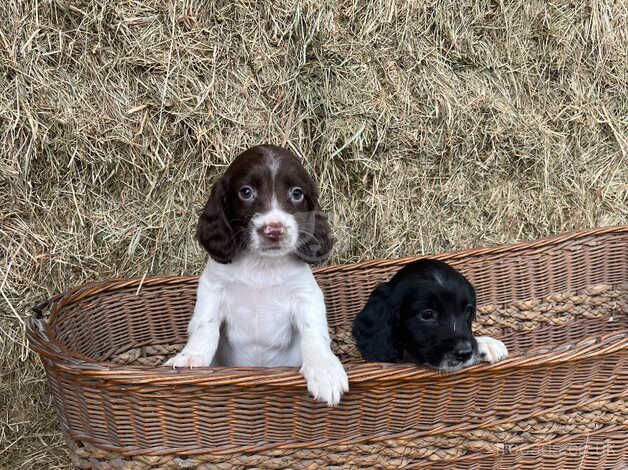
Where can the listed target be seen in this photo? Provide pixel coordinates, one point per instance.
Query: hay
(430, 126)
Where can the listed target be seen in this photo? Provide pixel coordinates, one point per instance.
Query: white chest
(257, 311)
(257, 327)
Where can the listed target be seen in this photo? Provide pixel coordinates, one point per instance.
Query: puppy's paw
(184, 359)
(326, 379)
(491, 349)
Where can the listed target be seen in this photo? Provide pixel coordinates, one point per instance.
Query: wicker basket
(559, 401)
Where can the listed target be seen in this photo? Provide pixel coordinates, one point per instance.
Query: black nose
(463, 350)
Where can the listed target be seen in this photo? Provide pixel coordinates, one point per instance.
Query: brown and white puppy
(258, 303)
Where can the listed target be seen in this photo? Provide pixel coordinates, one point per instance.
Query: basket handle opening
(39, 308)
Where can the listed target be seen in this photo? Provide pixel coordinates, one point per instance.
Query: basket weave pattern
(559, 304)
(601, 422)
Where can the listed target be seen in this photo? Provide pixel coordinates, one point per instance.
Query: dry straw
(430, 126)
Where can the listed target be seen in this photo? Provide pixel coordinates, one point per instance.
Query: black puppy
(424, 314)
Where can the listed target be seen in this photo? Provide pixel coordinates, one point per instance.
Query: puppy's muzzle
(273, 231)
(463, 351)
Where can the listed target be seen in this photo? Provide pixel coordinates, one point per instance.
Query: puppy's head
(267, 204)
(425, 311)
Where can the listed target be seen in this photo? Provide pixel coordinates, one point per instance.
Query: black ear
(375, 328)
(214, 232)
(315, 240)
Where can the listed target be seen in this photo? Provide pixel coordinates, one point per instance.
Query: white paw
(326, 379)
(491, 349)
(188, 360)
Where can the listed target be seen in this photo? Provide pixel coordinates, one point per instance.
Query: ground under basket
(559, 401)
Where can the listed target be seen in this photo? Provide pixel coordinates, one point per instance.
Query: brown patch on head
(260, 179)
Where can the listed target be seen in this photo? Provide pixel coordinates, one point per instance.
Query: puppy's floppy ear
(315, 240)
(214, 232)
(375, 328)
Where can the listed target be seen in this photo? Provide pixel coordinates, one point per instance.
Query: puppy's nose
(273, 231)
(463, 350)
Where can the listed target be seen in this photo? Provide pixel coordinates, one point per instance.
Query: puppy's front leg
(490, 349)
(326, 378)
(203, 329)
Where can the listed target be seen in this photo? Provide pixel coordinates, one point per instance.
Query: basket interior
(530, 299)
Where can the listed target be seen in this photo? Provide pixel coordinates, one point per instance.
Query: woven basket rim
(43, 341)
(455, 257)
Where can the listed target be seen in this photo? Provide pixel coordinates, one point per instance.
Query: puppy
(258, 303)
(424, 314)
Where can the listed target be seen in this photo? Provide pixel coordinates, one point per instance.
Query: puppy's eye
(246, 193)
(296, 194)
(427, 315)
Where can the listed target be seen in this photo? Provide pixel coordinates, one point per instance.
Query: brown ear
(315, 239)
(214, 232)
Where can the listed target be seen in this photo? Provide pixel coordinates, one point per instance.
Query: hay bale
(430, 126)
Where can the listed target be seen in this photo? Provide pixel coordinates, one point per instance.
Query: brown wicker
(559, 304)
